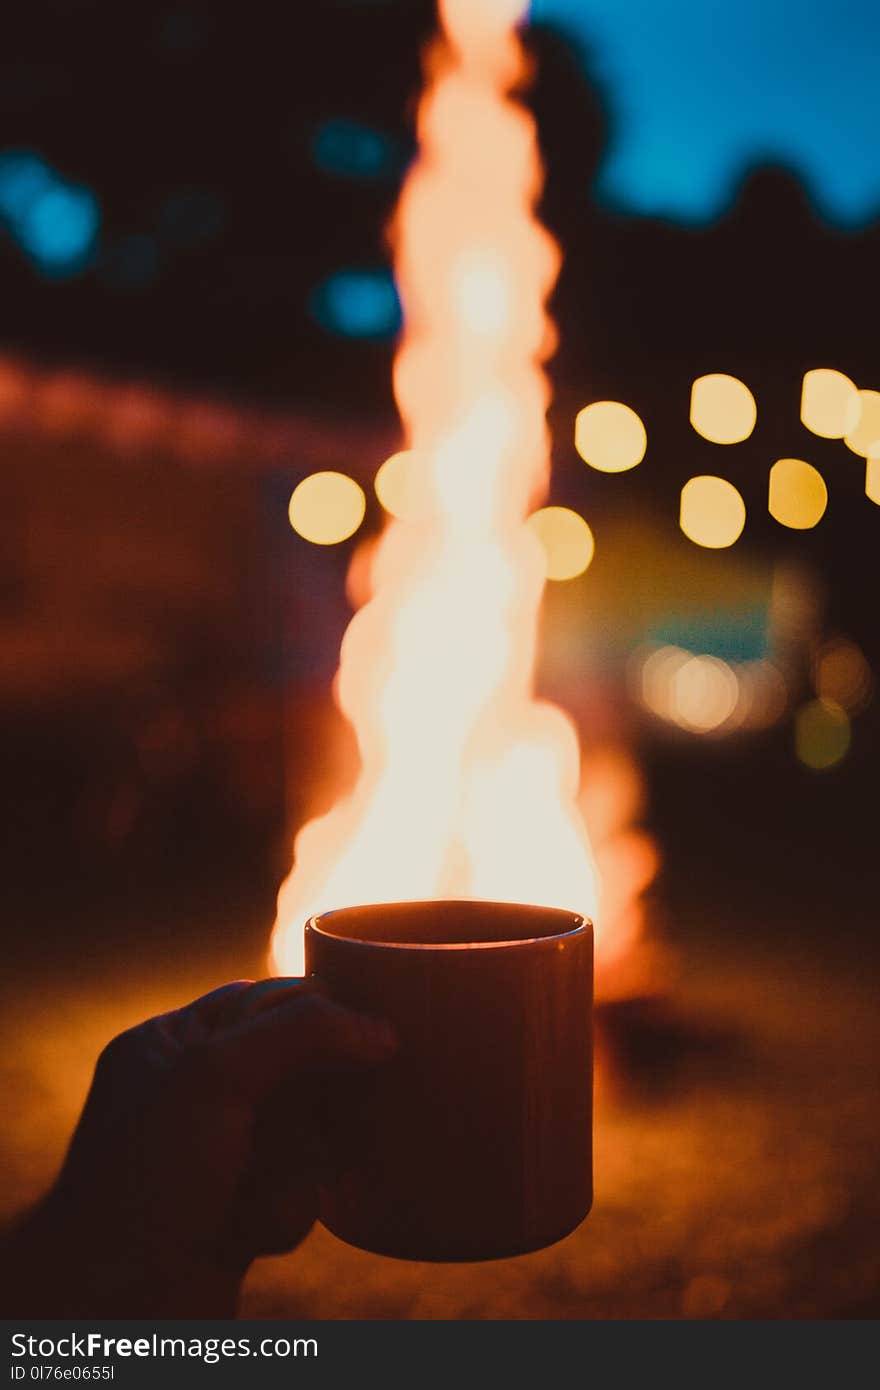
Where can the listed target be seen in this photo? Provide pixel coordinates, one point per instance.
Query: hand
(200, 1146)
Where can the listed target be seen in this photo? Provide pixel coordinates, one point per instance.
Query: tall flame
(467, 783)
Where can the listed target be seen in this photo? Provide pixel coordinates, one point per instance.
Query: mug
(474, 1141)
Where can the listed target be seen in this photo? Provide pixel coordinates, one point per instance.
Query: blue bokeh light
(352, 150)
(59, 229)
(701, 92)
(132, 262)
(23, 177)
(54, 222)
(358, 304)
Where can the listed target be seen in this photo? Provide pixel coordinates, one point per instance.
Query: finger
(197, 1019)
(305, 1032)
(216, 1002)
(277, 1199)
(266, 994)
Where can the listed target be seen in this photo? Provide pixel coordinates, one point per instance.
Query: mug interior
(452, 922)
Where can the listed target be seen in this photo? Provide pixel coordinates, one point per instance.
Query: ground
(736, 1133)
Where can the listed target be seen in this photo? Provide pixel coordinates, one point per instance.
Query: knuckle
(119, 1051)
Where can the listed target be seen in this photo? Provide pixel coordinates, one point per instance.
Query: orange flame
(467, 783)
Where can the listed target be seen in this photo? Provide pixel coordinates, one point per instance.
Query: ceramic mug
(474, 1141)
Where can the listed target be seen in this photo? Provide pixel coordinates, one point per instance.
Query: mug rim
(580, 924)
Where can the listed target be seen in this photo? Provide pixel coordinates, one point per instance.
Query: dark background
(164, 388)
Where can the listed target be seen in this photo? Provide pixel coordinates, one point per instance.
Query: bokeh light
(864, 439)
(16, 390)
(656, 672)
(798, 495)
(841, 673)
(357, 304)
(24, 176)
(712, 513)
(566, 539)
(830, 404)
(327, 508)
(58, 230)
(353, 150)
(763, 694)
(872, 479)
(610, 436)
(131, 263)
(822, 734)
(396, 486)
(699, 693)
(54, 222)
(704, 693)
(723, 408)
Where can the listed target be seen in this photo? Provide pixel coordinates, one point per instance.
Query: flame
(467, 783)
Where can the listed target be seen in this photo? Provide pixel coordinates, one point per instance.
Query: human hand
(200, 1146)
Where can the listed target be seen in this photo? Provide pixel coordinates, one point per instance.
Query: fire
(468, 783)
